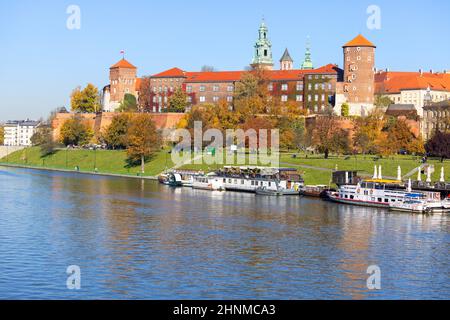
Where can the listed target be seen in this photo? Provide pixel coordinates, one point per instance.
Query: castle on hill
(318, 90)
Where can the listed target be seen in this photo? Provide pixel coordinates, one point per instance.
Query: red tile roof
(359, 41)
(123, 64)
(171, 73)
(232, 76)
(394, 82)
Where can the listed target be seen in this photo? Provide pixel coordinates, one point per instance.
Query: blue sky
(42, 61)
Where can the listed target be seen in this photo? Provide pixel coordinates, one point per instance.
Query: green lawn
(311, 166)
(106, 161)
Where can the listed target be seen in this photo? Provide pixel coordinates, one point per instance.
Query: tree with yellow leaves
(143, 139)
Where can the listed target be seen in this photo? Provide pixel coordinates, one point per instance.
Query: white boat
(417, 203)
(377, 193)
(276, 192)
(208, 182)
(249, 179)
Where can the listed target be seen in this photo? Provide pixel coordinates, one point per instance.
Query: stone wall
(99, 122)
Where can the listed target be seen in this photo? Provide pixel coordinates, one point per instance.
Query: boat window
(346, 196)
(386, 200)
(270, 183)
(352, 197)
(379, 199)
(242, 181)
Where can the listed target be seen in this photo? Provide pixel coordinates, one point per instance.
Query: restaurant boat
(377, 193)
(249, 179)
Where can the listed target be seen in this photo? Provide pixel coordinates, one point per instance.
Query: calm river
(139, 239)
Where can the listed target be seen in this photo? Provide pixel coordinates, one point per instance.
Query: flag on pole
(122, 52)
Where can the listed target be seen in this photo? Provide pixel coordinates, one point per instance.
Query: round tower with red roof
(358, 82)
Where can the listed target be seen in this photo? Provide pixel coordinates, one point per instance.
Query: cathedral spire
(263, 49)
(307, 63)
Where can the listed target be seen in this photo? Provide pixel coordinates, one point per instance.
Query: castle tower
(263, 50)
(122, 78)
(358, 86)
(286, 62)
(307, 63)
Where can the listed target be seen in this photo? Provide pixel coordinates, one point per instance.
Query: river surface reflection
(139, 239)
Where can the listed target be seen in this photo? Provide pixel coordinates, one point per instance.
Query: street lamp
(95, 158)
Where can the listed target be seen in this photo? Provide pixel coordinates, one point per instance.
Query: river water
(138, 239)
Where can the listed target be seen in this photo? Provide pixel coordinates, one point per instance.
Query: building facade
(413, 87)
(19, 133)
(436, 116)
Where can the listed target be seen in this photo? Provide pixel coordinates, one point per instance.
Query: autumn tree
(323, 132)
(75, 132)
(86, 100)
(439, 145)
(43, 137)
(178, 101)
(397, 136)
(367, 134)
(115, 136)
(128, 104)
(143, 139)
(2, 135)
(251, 96)
(145, 94)
(257, 124)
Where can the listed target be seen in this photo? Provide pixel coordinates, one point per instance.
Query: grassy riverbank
(315, 169)
(106, 161)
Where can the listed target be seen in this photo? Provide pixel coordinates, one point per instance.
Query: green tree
(75, 132)
(382, 101)
(143, 140)
(86, 100)
(439, 145)
(2, 135)
(43, 137)
(115, 136)
(345, 110)
(178, 101)
(128, 104)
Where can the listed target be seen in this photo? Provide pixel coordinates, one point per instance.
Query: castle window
(299, 98)
(270, 87)
(358, 49)
(215, 88)
(358, 58)
(202, 99)
(330, 86)
(299, 86)
(215, 98)
(316, 86)
(202, 88)
(284, 87)
(188, 89)
(316, 97)
(323, 97)
(284, 98)
(230, 88)
(309, 97)
(309, 86)
(230, 98)
(265, 52)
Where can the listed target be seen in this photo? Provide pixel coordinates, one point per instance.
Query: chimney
(421, 72)
(444, 72)
(431, 71)
(387, 69)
